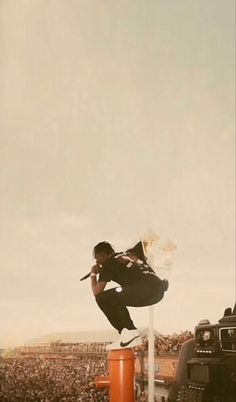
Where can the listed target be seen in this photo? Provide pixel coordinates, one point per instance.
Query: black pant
(113, 302)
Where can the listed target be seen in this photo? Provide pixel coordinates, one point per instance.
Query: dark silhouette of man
(139, 286)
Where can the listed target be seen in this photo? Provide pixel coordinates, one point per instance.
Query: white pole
(151, 359)
(148, 243)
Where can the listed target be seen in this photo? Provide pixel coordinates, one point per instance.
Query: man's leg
(113, 303)
(140, 295)
(114, 309)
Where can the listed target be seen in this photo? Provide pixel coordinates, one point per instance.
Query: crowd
(167, 343)
(63, 348)
(57, 380)
(163, 344)
(68, 376)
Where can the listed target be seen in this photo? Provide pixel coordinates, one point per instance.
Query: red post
(121, 376)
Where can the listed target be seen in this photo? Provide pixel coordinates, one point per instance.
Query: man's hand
(95, 269)
(97, 287)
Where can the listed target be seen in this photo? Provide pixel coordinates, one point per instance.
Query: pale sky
(116, 117)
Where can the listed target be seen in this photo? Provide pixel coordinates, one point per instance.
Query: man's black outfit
(139, 287)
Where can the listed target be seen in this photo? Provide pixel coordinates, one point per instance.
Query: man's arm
(97, 287)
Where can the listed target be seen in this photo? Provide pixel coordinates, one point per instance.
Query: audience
(167, 343)
(67, 371)
(51, 380)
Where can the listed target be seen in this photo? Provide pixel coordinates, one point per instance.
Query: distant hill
(2, 352)
(81, 336)
(76, 337)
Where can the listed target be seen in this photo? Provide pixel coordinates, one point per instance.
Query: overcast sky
(116, 117)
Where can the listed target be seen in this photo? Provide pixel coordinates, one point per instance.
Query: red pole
(121, 376)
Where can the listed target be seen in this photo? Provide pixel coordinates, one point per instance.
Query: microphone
(88, 275)
(85, 276)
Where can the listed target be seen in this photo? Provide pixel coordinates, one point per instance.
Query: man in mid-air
(139, 286)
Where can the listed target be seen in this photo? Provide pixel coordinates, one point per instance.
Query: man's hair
(103, 247)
